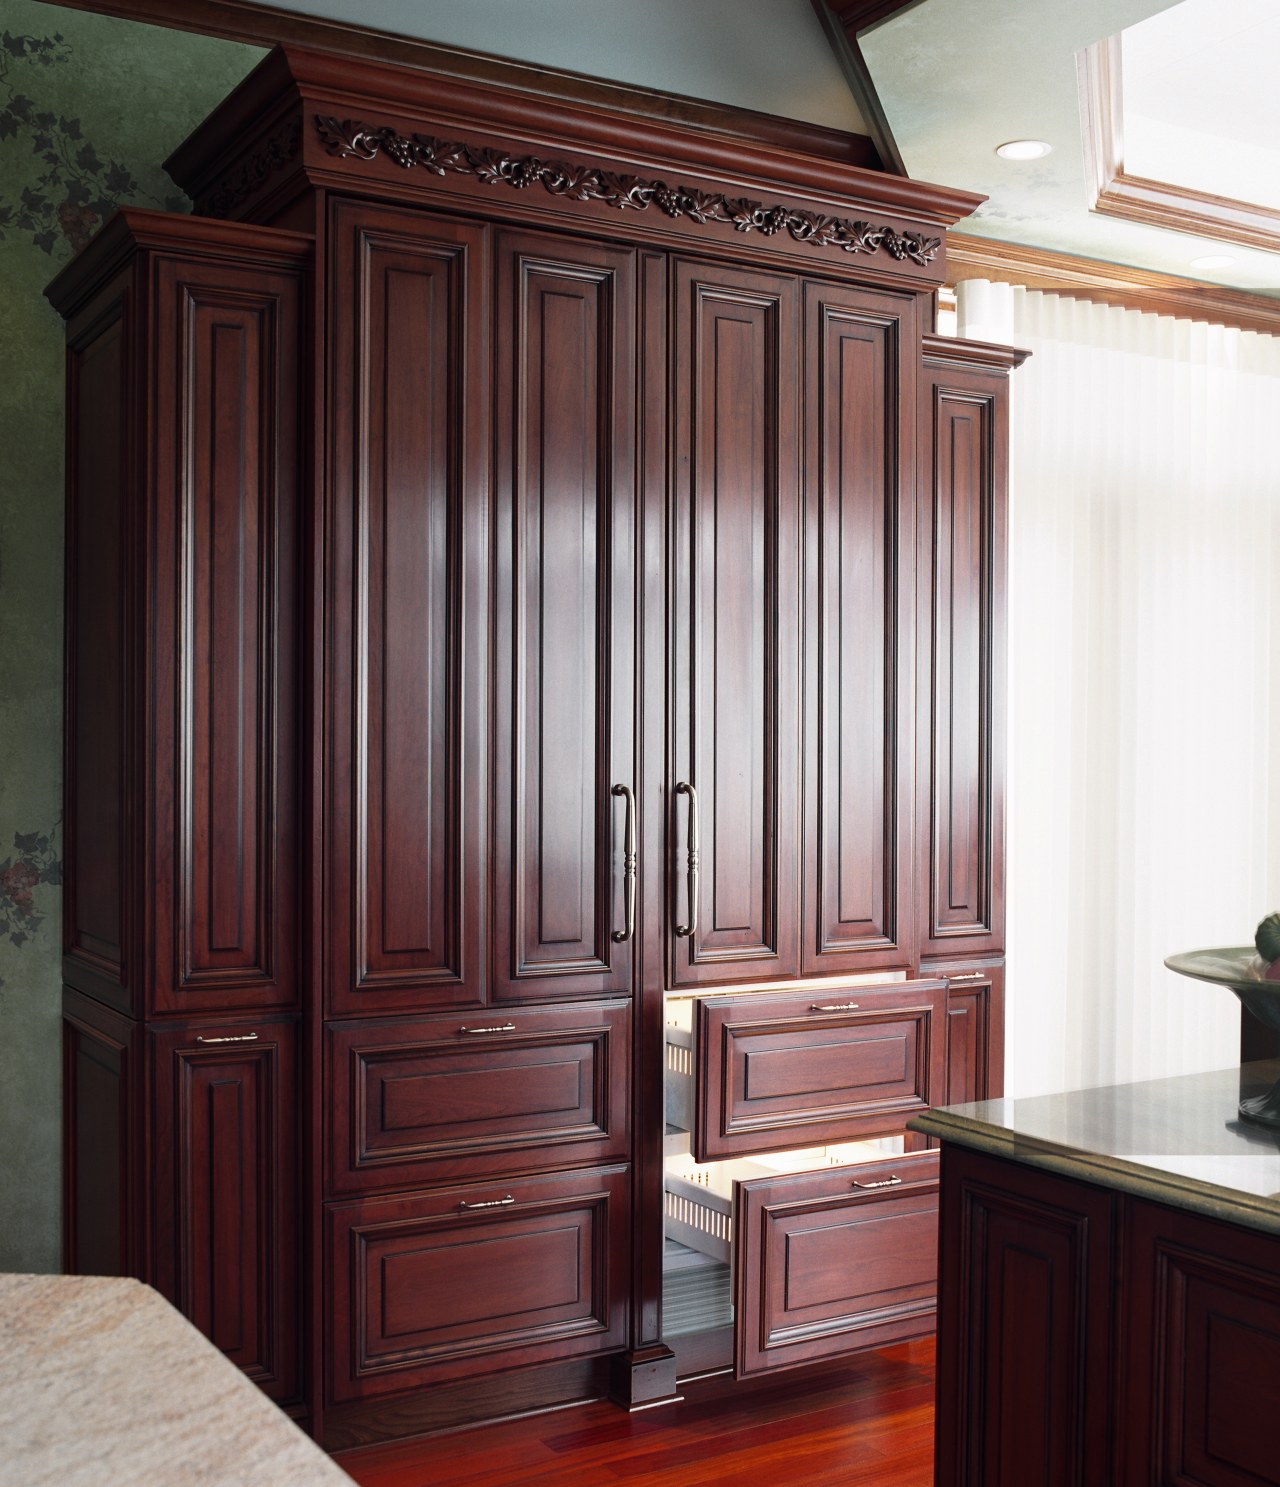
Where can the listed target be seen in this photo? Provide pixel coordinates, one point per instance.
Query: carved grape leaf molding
(587, 183)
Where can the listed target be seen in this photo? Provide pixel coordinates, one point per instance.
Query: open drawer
(771, 1071)
(829, 1262)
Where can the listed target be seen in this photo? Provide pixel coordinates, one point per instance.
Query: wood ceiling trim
(842, 22)
(266, 26)
(1109, 283)
(1116, 193)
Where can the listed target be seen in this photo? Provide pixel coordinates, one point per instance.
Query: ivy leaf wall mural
(90, 107)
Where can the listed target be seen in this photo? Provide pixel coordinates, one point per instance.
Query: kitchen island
(1109, 1288)
(102, 1381)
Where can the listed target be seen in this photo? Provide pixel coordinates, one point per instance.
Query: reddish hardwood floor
(868, 1423)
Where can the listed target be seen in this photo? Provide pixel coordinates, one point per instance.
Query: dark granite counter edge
(1193, 1194)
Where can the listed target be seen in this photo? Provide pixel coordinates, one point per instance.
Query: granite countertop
(1178, 1141)
(101, 1380)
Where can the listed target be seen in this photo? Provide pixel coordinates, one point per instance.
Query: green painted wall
(89, 109)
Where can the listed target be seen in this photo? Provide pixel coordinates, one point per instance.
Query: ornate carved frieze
(271, 155)
(350, 138)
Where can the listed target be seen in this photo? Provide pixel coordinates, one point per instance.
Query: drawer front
(472, 1280)
(469, 1095)
(774, 1072)
(835, 1261)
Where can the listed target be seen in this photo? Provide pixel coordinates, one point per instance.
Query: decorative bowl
(1231, 967)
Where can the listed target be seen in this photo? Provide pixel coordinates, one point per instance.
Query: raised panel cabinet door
(1203, 1313)
(1024, 1327)
(975, 1032)
(962, 654)
(226, 1205)
(834, 1261)
(225, 577)
(779, 1070)
(859, 480)
(564, 825)
(734, 788)
(471, 1280)
(406, 644)
(453, 1098)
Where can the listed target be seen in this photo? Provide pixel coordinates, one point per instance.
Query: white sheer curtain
(1144, 677)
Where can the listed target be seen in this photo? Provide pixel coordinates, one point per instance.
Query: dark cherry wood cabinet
(181, 1149)
(524, 559)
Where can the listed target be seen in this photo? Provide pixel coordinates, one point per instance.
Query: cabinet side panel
(737, 632)
(403, 910)
(563, 615)
(96, 1074)
(859, 417)
(95, 783)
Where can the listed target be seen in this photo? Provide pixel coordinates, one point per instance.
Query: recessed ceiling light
(1213, 260)
(1023, 149)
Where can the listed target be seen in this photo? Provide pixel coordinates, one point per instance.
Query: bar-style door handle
(889, 1182)
(629, 858)
(691, 860)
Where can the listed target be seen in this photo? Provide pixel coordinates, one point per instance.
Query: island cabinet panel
(461, 1281)
(408, 515)
(1202, 1307)
(736, 632)
(563, 607)
(226, 1204)
(780, 1070)
(828, 1262)
(1024, 1326)
(859, 468)
(962, 652)
(443, 1098)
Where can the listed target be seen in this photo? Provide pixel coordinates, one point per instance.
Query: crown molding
(1116, 193)
(1109, 283)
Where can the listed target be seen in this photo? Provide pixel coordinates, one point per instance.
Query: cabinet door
(975, 1032)
(224, 590)
(563, 619)
(829, 1262)
(962, 659)
(406, 642)
(472, 1280)
(1203, 1319)
(1024, 1327)
(734, 776)
(859, 478)
(226, 1227)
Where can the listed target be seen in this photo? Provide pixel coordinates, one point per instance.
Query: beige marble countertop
(103, 1384)
(1178, 1141)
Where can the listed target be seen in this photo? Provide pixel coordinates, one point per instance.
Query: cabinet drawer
(830, 1262)
(470, 1280)
(806, 1068)
(470, 1095)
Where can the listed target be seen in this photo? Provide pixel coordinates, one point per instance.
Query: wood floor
(868, 1423)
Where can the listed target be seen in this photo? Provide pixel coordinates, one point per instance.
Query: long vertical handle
(629, 857)
(691, 860)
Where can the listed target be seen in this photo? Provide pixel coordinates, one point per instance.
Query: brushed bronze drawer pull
(465, 1207)
(629, 857)
(234, 1038)
(888, 1182)
(837, 1007)
(970, 976)
(691, 860)
(502, 1027)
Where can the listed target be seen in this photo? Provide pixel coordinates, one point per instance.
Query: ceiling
(1195, 100)
(955, 78)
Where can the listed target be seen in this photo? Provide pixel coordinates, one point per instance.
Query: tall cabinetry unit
(525, 632)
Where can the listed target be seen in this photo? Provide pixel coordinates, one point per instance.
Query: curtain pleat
(1144, 680)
